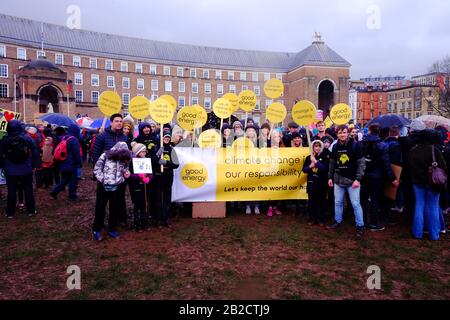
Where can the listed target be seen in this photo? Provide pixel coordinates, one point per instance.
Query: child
(111, 170)
(47, 162)
(138, 190)
(251, 133)
(276, 142)
(316, 166)
(167, 158)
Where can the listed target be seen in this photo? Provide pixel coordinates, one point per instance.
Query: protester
(48, 161)
(347, 166)
(19, 156)
(396, 158)
(145, 136)
(293, 128)
(111, 170)
(275, 143)
(321, 128)
(264, 139)
(251, 133)
(227, 136)
(128, 130)
(238, 129)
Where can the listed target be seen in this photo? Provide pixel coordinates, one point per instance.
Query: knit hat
(138, 148)
(327, 138)
(31, 130)
(128, 122)
(226, 126)
(167, 133)
(238, 123)
(251, 126)
(417, 125)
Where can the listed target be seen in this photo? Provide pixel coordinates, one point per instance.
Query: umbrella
(58, 119)
(84, 122)
(98, 123)
(389, 120)
(433, 121)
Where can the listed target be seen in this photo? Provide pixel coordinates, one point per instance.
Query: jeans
(339, 193)
(68, 178)
(372, 188)
(26, 183)
(427, 209)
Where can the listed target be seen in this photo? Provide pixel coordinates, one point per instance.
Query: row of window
(139, 67)
(168, 85)
(404, 95)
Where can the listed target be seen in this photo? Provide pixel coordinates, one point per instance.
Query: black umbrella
(389, 120)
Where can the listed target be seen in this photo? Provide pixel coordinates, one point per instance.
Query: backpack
(60, 153)
(17, 149)
(371, 155)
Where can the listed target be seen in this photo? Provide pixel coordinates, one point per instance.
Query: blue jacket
(14, 129)
(378, 164)
(147, 140)
(73, 160)
(105, 141)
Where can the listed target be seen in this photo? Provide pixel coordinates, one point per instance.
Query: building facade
(76, 66)
(413, 101)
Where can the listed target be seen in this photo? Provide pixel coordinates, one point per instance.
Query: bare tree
(442, 69)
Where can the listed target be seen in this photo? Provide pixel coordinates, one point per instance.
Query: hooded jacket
(73, 160)
(105, 141)
(111, 166)
(147, 140)
(376, 153)
(318, 176)
(18, 169)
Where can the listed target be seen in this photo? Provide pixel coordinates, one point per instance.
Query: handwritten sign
(6, 116)
(142, 165)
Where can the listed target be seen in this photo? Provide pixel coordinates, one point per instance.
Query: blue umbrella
(389, 120)
(98, 123)
(58, 119)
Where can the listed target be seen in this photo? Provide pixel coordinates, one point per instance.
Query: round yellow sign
(139, 107)
(194, 175)
(304, 113)
(210, 139)
(109, 103)
(161, 111)
(234, 99)
(243, 143)
(276, 112)
(341, 114)
(223, 108)
(274, 88)
(171, 100)
(192, 117)
(247, 100)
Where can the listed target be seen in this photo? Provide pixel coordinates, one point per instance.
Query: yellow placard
(247, 100)
(109, 103)
(210, 139)
(222, 108)
(192, 117)
(234, 99)
(161, 111)
(243, 142)
(304, 113)
(171, 100)
(276, 112)
(139, 107)
(274, 88)
(341, 114)
(194, 175)
(328, 122)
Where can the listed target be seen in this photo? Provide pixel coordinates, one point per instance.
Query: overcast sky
(405, 40)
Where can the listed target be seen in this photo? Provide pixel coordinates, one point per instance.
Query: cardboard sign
(142, 165)
(276, 112)
(210, 139)
(234, 100)
(304, 113)
(109, 103)
(171, 100)
(390, 191)
(6, 116)
(139, 107)
(192, 117)
(222, 108)
(162, 111)
(247, 100)
(341, 114)
(274, 88)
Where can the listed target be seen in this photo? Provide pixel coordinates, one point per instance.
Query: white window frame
(126, 83)
(59, 55)
(91, 60)
(218, 75)
(192, 100)
(21, 50)
(95, 76)
(258, 105)
(5, 67)
(109, 62)
(168, 86)
(166, 70)
(76, 61)
(181, 101)
(255, 76)
(140, 84)
(153, 86)
(193, 72)
(230, 76)
(195, 85)
(154, 97)
(244, 87)
(92, 96)
(78, 78)
(232, 88)
(153, 69)
(266, 76)
(139, 68)
(76, 95)
(243, 76)
(3, 47)
(7, 90)
(123, 66)
(206, 74)
(207, 100)
(220, 89)
(40, 53)
(181, 86)
(257, 90)
(279, 76)
(108, 79)
(126, 101)
(208, 88)
(180, 72)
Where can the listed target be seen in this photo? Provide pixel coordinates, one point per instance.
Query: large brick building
(92, 62)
